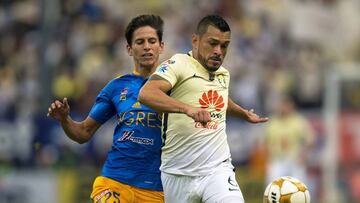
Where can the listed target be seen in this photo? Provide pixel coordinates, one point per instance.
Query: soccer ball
(286, 190)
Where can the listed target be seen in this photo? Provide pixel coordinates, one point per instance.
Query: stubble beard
(204, 62)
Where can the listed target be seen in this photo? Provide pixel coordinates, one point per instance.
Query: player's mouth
(215, 60)
(147, 56)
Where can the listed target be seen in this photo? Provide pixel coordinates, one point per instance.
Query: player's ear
(195, 40)
(161, 47)
(129, 50)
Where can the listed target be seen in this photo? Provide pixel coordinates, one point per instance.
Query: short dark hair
(153, 21)
(214, 20)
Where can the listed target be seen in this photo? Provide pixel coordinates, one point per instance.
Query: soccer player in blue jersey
(131, 171)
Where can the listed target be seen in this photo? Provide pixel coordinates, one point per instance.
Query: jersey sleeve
(103, 109)
(170, 71)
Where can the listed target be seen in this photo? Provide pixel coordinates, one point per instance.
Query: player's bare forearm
(248, 115)
(236, 110)
(80, 132)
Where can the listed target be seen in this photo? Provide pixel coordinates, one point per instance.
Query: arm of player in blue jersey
(249, 115)
(80, 132)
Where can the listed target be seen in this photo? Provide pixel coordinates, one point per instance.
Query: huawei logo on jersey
(211, 98)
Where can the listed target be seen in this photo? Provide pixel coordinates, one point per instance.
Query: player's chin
(149, 64)
(212, 67)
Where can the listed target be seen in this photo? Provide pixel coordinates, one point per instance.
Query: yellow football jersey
(189, 147)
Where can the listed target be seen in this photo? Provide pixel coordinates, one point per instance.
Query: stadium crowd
(71, 48)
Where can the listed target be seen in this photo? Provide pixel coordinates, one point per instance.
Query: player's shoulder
(176, 59)
(181, 56)
(179, 59)
(175, 62)
(119, 80)
(222, 70)
(123, 78)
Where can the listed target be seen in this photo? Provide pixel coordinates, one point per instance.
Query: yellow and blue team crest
(124, 93)
(137, 105)
(221, 79)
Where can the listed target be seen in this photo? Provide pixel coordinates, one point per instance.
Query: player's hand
(198, 114)
(252, 117)
(59, 110)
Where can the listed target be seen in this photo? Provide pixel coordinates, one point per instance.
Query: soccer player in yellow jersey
(289, 138)
(192, 91)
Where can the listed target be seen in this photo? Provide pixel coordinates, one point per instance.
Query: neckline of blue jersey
(136, 72)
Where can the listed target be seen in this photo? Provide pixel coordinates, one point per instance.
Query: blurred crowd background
(50, 49)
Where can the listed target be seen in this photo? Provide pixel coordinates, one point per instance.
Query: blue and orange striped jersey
(134, 157)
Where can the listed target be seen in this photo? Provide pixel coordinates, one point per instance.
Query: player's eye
(224, 46)
(139, 41)
(212, 43)
(152, 40)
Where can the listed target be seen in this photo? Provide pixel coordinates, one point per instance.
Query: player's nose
(146, 45)
(217, 50)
